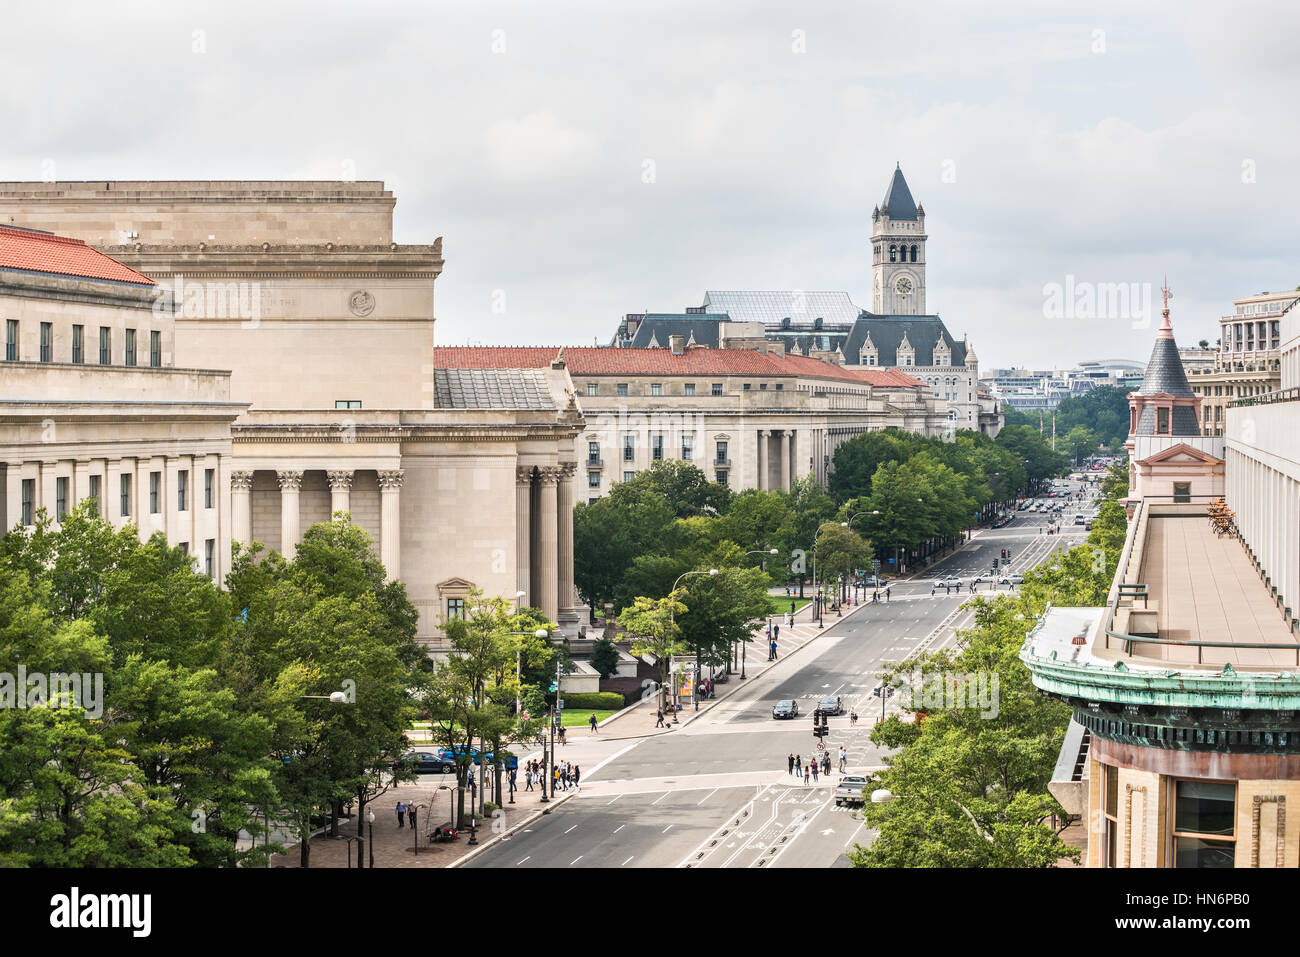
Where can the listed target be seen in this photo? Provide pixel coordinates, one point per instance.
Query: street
(716, 792)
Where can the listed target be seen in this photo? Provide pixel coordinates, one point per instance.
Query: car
(512, 762)
(875, 581)
(426, 762)
(831, 704)
(785, 709)
(851, 789)
(1080, 519)
(980, 579)
(1011, 580)
(1087, 526)
(947, 583)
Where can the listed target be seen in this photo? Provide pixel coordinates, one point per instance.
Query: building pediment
(454, 587)
(1181, 453)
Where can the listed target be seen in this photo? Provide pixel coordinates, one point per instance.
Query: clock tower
(898, 252)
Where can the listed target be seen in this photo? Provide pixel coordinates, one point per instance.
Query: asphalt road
(716, 793)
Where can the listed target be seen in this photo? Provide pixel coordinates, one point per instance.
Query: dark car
(831, 704)
(785, 709)
(426, 762)
(511, 764)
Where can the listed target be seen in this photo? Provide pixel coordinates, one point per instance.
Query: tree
(1079, 442)
(683, 486)
(721, 608)
(840, 552)
(652, 624)
(604, 656)
(855, 461)
(609, 534)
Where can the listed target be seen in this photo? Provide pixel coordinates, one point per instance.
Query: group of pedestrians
(532, 774)
(816, 766)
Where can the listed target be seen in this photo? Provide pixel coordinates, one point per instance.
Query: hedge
(593, 701)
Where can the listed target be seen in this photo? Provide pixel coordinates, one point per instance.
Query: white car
(1011, 580)
(947, 583)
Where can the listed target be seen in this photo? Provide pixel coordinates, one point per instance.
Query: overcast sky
(1112, 145)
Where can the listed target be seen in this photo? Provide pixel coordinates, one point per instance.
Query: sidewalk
(395, 847)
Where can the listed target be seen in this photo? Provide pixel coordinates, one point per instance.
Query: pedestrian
(792, 607)
(528, 776)
(932, 591)
(798, 766)
(592, 721)
(844, 757)
(660, 722)
(401, 814)
(812, 766)
(886, 593)
(826, 764)
(772, 656)
(562, 741)
(776, 632)
(853, 716)
(513, 773)
(577, 775)
(789, 763)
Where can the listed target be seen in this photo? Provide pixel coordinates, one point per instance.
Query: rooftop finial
(1166, 327)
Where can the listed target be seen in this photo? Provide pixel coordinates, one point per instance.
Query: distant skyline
(586, 160)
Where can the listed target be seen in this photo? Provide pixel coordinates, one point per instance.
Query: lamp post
(672, 617)
(370, 819)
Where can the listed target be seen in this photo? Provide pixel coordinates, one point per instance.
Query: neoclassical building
(465, 478)
(92, 405)
(1246, 362)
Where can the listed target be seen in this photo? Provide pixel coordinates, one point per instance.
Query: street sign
(552, 687)
(821, 745)
(560, 704)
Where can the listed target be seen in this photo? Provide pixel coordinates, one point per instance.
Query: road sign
(821, 745)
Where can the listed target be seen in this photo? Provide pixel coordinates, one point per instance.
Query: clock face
(903, 286)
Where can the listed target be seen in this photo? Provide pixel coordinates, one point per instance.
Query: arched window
(893, 253)
(817, 323)
(913, 254)
(785, 323)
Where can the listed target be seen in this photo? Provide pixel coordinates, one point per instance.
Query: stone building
(1246, 362)
(92, 405)
(1184, 748)
(747, 418)
(327, 327)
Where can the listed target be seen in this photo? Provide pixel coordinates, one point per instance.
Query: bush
(593, 701)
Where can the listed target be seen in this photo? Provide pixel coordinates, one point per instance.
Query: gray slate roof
(661, 326)
(898, 198)
(1165, 373)
(887, 332)
(524, 389)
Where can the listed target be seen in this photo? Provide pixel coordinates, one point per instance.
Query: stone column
(390, 521)
(785, 460)
(762, 460)
(524, 533)
(564, 547)
(546, 590)
(241, 507)
(340, 491)
(290, 486)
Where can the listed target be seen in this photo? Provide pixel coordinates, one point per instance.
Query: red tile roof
(598, 360)
(61, 256)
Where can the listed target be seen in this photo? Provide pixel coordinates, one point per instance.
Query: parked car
(426, 762)
(831, 704)
(512, 762)
(851, 789)
(785, 709)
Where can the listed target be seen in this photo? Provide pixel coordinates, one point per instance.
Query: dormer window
(1162, 420)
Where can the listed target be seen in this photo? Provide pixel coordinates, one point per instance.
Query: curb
(484, 845)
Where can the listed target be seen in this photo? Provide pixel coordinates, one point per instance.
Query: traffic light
(820, 724)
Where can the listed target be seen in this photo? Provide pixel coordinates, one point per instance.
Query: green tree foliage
(1102, 411)
(684, 486)
(611, 533)
(652, 625)
(604, 656)
(721, 608)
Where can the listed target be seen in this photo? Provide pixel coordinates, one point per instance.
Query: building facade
(92, 405)
(327, 327)
(1246, 362)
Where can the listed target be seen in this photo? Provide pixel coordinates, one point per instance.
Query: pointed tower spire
(1166, 327)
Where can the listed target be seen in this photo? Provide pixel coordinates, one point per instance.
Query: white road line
(570, 829)
(528, 858)
(616, 797)
(619, 828)
(707, 796)
(660, 798)
(575, 860)
(624, 864)
(667, 829)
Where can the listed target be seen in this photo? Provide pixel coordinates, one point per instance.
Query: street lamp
(334, 697)
(884, 796)
(672, 617)
(370, 819)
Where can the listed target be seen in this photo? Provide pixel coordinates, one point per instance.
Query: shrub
(593, 701)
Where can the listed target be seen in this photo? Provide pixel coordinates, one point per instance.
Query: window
(47, 341)
(93, 492)
(209, 553)
(657, 447)
(1162, 421)
(893, 253)
(716, 388)
(182, 490)
(455, 608)
(78, 344)
(125, 486)
(155, 349)
(745, 387)
(621, 388)
(688, 388)
(721, 452)
(656, 388)
(155, 486)
(1204, 813)
(593, 480)
(129, 358)
(780, 386)
(209, 487)
(347, 403)
(593, 388)
(628, 476)
(1110, 816)
(593, 453)
(762, 387)
(60, 498)
(721, 477)
(1182, 491)
(593, 501)
(105, 345)
(29, 501)
(688, 447)
(629, 448)
(11, 341)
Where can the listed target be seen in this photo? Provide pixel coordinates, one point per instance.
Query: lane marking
(624, 864)
(660, 798)
(666, 830)
(570, 829)
(528, 858)
(707, 796)
(575, 860)
(619, 828)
